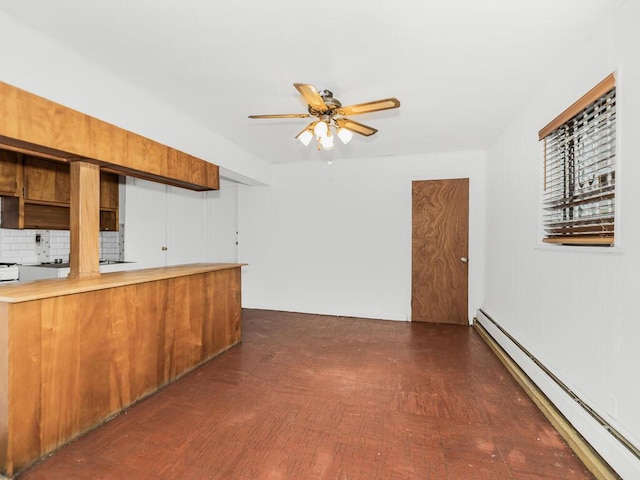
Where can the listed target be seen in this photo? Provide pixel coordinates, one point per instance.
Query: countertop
(39, 289)
(66, 264)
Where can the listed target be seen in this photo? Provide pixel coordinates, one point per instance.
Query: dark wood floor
(315, 397)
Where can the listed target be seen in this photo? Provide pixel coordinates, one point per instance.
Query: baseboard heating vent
(596, 464)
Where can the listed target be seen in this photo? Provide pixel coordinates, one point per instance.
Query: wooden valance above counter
(35, 125)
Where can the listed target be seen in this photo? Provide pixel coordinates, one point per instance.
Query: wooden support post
(85, 220)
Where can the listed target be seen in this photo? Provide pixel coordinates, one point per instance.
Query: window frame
(567, 121)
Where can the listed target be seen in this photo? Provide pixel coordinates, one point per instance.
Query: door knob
(464, 259)
(164, 248)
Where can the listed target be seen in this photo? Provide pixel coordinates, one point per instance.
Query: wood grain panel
(76, 360)
(4, 386)
(12, 212)
(109, 221)
(229, 283)
(66, 134)
(109, 191)
(39, 216)
(84, 220)
(177, 328)
(59, 389)
(207, 310)
(73, 396)
(39, 180)
(9, 162)
(25, 381)
(135, 336)
(44, 201)
(219, 306)
(46, 180)
(197, 309)
(439, 241)
(122, 325)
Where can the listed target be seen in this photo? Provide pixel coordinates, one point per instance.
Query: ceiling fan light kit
(305, 136)
(345, 135)
(332, 115)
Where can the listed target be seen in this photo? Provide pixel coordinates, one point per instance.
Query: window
(579, 170)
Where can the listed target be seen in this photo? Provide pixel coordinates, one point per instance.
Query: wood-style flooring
(320, 397)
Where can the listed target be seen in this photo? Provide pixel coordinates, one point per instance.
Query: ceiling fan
(329, 114)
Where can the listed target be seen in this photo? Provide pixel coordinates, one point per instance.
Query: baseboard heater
(572, 395)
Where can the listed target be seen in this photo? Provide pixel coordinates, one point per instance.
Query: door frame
(467, 277)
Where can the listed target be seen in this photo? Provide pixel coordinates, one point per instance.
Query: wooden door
(440, 238)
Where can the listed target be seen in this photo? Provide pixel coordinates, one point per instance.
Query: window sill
(588, 249)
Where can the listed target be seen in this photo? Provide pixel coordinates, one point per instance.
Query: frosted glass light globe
(321, 129)
(345, 135)
(305, 137)
(327, 142)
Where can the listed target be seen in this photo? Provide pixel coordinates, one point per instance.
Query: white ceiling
(461, 68)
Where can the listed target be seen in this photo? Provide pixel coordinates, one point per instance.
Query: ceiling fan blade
(311, 96)
(282, 115)
(355, 126)
(369, 107)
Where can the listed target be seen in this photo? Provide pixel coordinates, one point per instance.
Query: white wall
(41, 66)
(336, 239)
(574, 308)
(222, 223)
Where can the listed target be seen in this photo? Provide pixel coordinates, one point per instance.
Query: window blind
(579, 183)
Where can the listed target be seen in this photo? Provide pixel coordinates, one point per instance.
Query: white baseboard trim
(321, 311)
(612, 451)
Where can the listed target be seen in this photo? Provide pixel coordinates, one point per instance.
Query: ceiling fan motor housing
(329, 101)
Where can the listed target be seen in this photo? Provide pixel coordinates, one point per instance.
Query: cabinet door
(46, 181)
(108, 191)
(10, 173)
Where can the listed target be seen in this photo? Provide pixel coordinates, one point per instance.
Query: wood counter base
(81, 351)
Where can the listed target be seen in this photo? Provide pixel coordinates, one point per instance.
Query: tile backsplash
(37, 246)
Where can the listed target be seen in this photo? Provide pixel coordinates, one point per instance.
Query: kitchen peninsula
(76, 351)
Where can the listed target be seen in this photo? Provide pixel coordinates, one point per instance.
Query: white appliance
(9, 273)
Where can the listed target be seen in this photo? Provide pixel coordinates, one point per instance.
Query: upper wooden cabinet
(109, 196)
(9, 164)
(35, 193)
(46, 181)
(109, 191)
